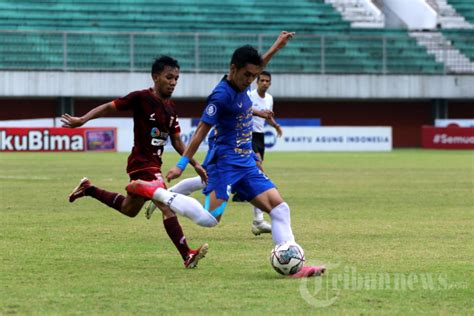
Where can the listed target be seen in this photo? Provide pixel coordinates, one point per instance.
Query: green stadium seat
(462, 39)
(464, 7)
(326, 43)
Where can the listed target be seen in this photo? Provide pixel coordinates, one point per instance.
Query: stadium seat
(462, 39)
(326, 43)
(464, 7)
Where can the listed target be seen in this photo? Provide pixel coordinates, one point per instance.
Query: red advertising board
(447, 137)
(57, 139)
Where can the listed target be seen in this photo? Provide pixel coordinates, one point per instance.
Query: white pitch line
(24, 178)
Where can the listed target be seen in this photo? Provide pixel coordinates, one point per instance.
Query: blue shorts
(248, 182)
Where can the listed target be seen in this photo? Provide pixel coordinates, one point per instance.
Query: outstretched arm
(280, 42)
(201, 132)
(100, 111)
(179, 146)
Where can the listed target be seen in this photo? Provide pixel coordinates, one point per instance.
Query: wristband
(182, 163)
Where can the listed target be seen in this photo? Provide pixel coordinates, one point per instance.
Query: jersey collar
(230, 84)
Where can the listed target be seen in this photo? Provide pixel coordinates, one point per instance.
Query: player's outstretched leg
(185, 187)
(259, 225)
(281, 232)
(195, 255)
(176, 234)
(188, 186)
(79, 191)
(180, 204)
(111, 199)
(145, 188)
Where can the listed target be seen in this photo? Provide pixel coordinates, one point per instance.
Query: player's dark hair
(246, 55)
(163, 61)
(264, 73)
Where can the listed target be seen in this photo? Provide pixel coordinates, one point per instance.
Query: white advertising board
(337, 138)
(346, 138)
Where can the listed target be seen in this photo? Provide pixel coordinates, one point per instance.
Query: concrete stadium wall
(416, 14)
(70, 84)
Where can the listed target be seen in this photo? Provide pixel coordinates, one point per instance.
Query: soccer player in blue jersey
(190, 185)
(229, 109)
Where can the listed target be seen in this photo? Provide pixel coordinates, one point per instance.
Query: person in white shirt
(261, 102)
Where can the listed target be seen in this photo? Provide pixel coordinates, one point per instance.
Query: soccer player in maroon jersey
(155, 120)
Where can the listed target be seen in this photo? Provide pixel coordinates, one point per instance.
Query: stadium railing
(387, 53)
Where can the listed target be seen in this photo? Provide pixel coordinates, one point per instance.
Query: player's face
(263, 83)
(166, 81)
(243, 77)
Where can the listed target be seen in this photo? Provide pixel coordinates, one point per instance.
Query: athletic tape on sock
(216, 212)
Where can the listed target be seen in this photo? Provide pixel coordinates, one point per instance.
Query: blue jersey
(211, 138)
(211, 141)
(230, 111)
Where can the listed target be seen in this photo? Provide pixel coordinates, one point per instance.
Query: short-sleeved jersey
(230, 111)
(211, 141)
(260, 104)
(154, 120)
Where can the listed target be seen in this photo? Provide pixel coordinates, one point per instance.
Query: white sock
(281, 224)
(257, 214)
(185, 206)
(188, 186)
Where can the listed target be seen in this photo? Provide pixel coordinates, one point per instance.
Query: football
(287, 258)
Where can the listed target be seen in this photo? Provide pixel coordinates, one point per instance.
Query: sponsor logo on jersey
(155, 132)
(158, 138)
(158, 142)
(211, 110)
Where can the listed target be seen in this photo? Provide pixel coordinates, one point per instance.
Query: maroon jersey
(154, 120)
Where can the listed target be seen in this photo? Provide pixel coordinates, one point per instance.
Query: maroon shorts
(148, 174)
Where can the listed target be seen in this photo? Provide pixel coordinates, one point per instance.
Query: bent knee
(208, 223)
(208, 219)
(130, 211)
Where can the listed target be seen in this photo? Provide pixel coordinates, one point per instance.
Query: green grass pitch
(395, 229)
